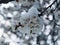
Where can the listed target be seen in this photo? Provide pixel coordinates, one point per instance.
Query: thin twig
(46, 9)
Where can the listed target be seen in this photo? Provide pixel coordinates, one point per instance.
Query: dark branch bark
(41, 14)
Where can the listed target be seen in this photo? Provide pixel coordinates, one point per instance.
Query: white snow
(1, 31)
(50, 17)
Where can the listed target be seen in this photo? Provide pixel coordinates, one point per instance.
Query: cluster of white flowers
(21, 27)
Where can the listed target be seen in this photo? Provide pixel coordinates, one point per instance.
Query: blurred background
(5, 1)
(30, 22)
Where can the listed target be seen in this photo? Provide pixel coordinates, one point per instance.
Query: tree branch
(46, 9)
